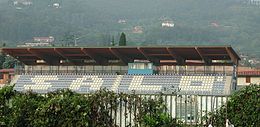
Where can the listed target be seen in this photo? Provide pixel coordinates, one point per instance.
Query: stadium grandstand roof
(122, 55)
(249, 73)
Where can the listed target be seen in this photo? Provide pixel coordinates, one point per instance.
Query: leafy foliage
(65, 108)
(153, 114)
(2, 60)
(23, 108)
(9, 62)
(6, 94)
(242, 109)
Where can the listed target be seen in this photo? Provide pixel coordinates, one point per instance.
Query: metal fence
(190, 109)
(20, 69)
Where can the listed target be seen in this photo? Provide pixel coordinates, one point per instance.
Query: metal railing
(190, 109)
(75, 72)
(121, 72)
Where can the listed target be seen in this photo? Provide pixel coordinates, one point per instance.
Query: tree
(122, 40)
(6, 94)
(68, 39)
(2, 60)
(242, 109)
(9, 62)
(4, 44)
(113, 41)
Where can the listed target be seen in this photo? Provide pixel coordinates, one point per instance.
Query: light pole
(75, 41)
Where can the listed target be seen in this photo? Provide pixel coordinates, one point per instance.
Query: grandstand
(198, 70)
(194, 79)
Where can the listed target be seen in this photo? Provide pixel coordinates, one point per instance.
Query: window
(140, 66)
(248, 80)
(1, 76)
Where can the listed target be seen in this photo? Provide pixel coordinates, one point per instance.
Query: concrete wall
(5, 78)
(242, 81)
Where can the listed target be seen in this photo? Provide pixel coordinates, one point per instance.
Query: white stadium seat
(163, 83)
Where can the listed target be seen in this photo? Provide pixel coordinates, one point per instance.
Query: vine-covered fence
(105, 108)
(189, 109)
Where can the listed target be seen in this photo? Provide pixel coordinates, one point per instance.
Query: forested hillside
(95, 22)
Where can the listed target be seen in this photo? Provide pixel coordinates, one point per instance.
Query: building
(6, 75)
(248, 77)
(56, 5)
(39, 42)
(35, 44)
(138, 29)
(214, 24)
(49, 39)
(22, 2)
(167, 23)
(122, 21)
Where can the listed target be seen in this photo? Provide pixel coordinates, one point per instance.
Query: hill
(94, 22)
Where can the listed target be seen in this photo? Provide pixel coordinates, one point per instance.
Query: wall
(140, 71)
(5, 78)
(242, 80)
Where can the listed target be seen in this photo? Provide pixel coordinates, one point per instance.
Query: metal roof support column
(41, 57)
(206, 60)
(124, 59)
(151, 59)
(179, 59)
(98, 59)
(231, 55)
(63, 56)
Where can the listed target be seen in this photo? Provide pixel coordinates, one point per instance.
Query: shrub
(153, 114)
(242, 109)
(6, 94)
(66, 108)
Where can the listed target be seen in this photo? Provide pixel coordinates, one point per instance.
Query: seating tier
(206, 84)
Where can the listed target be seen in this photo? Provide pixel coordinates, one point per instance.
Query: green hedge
(65, 109)
(242, 109)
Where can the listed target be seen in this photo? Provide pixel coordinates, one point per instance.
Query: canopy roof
(122, 55)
